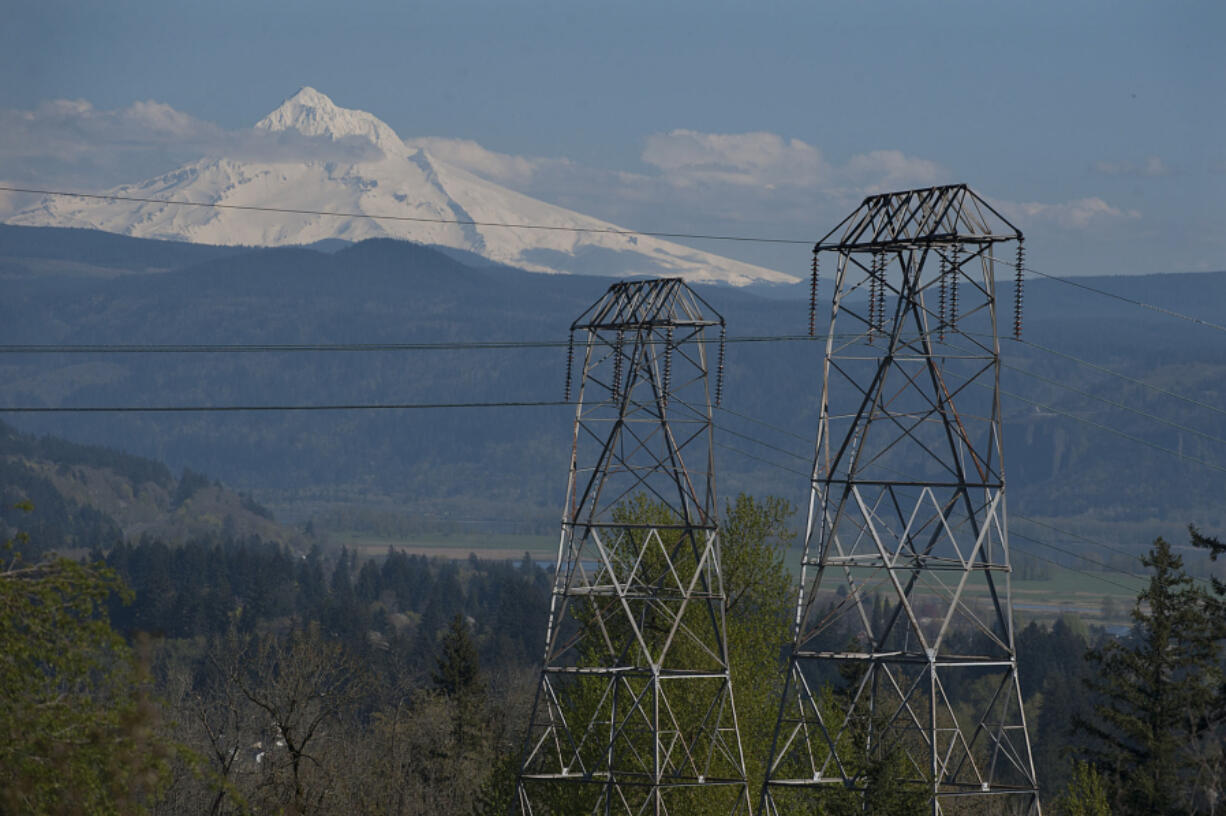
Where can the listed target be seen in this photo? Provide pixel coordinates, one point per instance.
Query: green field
(494, 546)
(1085, 594)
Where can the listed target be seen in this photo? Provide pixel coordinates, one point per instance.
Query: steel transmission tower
(634, 712)
(903, 669)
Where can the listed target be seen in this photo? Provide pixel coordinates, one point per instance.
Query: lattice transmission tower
(634, 712)
(903, 670)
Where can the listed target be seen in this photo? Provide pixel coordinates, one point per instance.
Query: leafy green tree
(1086, 795)
(76, 724)
(755, 537)
(1156, 692)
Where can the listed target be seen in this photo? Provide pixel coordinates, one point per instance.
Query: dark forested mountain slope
(67, 496)
(1068, 457)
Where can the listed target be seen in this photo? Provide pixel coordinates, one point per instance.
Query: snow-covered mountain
(376, 174)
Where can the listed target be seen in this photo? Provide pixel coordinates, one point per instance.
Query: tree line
(236, 676)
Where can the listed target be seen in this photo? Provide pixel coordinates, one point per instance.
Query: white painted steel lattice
(634, 712)
(903, 661)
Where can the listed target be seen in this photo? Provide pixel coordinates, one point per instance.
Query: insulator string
(881, 263)
(719, 373)
(953, 291)
(668, 364)
(813, 275)
(942, 281)
(872, 297)
(1017, 289)
(570, 363)
(617, 363)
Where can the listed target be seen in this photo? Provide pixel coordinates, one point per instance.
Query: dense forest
(234, 676)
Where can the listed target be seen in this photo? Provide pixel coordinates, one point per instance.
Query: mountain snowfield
(376, 174)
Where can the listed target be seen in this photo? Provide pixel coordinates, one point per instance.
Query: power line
(756, 458)
(746, 417)
(202, 409)
(1100, 544)
(1077, 536)
(1119, 405)
(457, 405)
(698, 236)
(756, 441)
(1124, 299)
(1112, 430)
(1018, 516)
(231, 348)
(1103, 564)
(410, 218)
(1102, 427)
(1065, 551)
(1086, 573)
(1125, 377)
(241, 348)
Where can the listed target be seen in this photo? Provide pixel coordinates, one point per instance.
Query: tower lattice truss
(903, 668)
(634, 711)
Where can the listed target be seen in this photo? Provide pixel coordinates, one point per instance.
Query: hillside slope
(1081, 444)
(89, 495)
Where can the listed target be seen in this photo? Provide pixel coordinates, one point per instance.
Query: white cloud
(71, 127)
(69, 141)
(500, 167)
(1076, 214)
(687, 157)
(881, 170)
(1151, 166)
(752, 178)
(768, 161)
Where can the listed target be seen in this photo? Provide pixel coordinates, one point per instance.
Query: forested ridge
(80, 497)
(1070, 443)
(257, 679)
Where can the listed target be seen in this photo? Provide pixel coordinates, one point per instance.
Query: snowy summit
(357, 164)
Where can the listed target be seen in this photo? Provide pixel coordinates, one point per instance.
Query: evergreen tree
(1156, 692)
(458, 668)
(457, 676)
(1210, 785)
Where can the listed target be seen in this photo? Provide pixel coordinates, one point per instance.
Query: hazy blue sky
(1098, 124)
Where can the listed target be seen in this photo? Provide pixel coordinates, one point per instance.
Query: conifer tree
(458, 666)
(1156, 692)
(456, 676)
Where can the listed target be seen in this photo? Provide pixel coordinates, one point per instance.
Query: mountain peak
(429, 200)
(313, 114)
